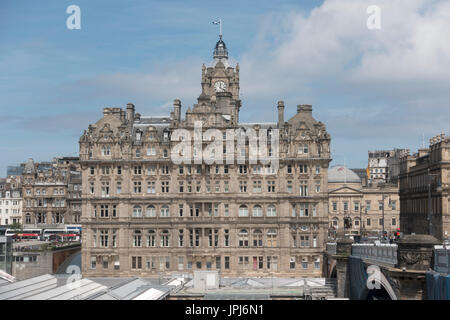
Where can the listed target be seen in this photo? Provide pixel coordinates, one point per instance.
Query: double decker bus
(25, 236)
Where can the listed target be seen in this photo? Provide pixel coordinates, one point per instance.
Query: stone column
(343, 251)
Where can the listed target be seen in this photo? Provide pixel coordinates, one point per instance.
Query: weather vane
(219, 22)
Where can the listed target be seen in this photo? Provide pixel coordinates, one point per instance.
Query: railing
(383, 253)
(331, 248)
(442, 259)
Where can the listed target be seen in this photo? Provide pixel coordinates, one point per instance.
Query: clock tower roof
(220, 51)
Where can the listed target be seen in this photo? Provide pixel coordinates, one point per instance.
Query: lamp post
(382, 214)
(360, 218)
(430, 208)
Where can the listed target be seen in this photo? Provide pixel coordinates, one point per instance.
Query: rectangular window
(93, 262)
(289, 186)
(181, 186)
(227, 263)
(345, 205)
(137, 187)
(137, 169)
(271, 186)
(243, 186)
(151, 187)
(151, 170)
(257, 186)
(164, 186)
(217, 186)
(303, 188)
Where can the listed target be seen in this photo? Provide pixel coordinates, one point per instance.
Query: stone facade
(143, 214)
(10, 201)
(51, 193)
(349, 198)
(425, 176)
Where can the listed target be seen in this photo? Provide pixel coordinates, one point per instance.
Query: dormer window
(138, 135)
(303, 148)
(166, 136)
(106, 150)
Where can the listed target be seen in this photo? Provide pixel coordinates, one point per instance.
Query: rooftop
(340, 173)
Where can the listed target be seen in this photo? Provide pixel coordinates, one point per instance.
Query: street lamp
(360, 218)
(438, 189)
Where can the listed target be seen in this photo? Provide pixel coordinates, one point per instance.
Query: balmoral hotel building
(144, 215)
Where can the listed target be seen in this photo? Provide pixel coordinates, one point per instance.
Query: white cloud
(370, 87)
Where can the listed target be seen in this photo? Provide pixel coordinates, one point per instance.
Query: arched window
(137, 211)
(257, 211)
(137, 238)
(150, 211)
(271, 211)
(272, 238)
(243, 211)
(165, 238)
(243, 238)
(165, 211)
(257, 238)
(335, 222)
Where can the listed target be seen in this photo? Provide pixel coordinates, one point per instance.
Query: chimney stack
(177, 109)
(304, 108)
(130, 112)
(280, 114)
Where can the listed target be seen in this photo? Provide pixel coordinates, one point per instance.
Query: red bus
(25, 236)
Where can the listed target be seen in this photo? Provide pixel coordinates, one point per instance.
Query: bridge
(377, 271)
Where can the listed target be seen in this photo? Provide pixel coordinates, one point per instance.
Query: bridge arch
(377, 286)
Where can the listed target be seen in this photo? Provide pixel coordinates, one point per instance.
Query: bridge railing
(384, 253)
(331, 247)
(442, 259)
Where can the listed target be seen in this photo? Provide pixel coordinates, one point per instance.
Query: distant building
(355, 207)
(10, 200)
(51, 193)
(384, 166)
(424, 189)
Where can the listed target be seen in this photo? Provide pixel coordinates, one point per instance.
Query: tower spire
(220, 51)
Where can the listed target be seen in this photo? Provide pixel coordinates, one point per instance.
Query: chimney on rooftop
(130, 112)
(304, 108)
(280, 114)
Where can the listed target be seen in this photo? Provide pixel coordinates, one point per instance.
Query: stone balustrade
(442, 259)
(382, 253)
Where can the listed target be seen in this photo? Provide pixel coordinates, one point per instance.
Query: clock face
(220, 86)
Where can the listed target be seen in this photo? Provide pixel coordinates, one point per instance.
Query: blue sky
(373, 89)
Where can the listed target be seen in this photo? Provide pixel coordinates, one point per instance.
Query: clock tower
(220, 91)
